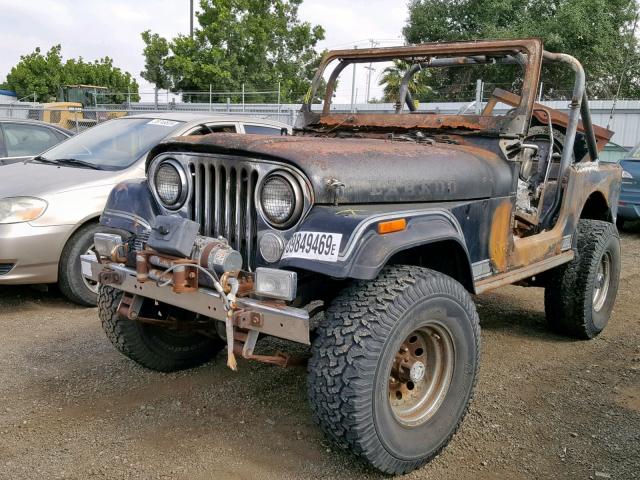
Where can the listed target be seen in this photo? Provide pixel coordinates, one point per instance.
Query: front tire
(154, 347)
(579, 296)
(73, 284)
(394, 366)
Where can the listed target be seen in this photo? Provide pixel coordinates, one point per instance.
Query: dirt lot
(72, 407)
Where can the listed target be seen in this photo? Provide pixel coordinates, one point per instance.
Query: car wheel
(579, 296)
(75, 286)
(394, 366)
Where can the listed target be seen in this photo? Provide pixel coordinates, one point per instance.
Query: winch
(175, 254)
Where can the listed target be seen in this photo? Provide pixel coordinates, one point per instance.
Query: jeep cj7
(365, 235)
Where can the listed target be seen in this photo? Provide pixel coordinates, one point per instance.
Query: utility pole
(370, 70)
(191, 18)
(479, 92)
(353, 86)
(540, 92)
(279, 100)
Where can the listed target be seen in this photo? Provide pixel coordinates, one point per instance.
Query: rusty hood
(372, 170)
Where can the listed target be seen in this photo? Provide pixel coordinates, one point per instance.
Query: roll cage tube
(579, 106)
(404, 95)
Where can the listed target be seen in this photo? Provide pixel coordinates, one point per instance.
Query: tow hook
(231, 307)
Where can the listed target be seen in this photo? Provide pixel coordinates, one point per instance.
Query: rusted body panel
(371, 170)
(429, 121)
(510, 253)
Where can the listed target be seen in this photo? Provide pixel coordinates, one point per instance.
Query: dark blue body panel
(629, 204)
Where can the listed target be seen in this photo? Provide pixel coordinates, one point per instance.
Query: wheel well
(79, 226)
(446, 256)
(596, 208)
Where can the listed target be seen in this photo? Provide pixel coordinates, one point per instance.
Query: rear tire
(365, 386)
(154, 347)
(579, 296)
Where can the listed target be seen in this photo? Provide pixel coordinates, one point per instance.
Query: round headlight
(170, 184)
(281, 199)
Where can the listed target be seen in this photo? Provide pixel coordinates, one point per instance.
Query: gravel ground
(545, 406)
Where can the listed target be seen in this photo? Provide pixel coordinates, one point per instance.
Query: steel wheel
(421, 374)
(602, 282)
(90, 284)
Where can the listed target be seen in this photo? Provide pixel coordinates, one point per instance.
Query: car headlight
(21, 209)
(626, 174)
(281, 199)
(170, 183)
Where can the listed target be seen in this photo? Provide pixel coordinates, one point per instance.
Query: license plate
(314, 246)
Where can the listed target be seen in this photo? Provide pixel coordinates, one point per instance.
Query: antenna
(624, 71)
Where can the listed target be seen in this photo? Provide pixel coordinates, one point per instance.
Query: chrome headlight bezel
(298, 196)
(184, 183)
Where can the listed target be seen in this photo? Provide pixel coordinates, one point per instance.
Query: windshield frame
(528, 53)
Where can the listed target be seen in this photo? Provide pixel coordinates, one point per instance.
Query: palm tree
(392, 78)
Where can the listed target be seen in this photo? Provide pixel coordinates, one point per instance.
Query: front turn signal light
(391, 226)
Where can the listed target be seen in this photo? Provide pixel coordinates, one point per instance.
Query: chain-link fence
(625, 121)
(77, 120)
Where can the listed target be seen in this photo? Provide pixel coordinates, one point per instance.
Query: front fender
(363, 251)
(130, 207)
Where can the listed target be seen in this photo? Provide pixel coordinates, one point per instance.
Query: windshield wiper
(76, 162)
(42, 159)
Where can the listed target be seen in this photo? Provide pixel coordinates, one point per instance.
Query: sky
(98, 28)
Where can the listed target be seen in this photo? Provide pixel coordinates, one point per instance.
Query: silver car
(50, 205)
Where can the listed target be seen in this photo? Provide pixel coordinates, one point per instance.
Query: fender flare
(365, 252)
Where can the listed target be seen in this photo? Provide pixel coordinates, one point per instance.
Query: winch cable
(214, 279)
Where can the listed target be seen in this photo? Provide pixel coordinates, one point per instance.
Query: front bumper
(275, 319)
(34, 252)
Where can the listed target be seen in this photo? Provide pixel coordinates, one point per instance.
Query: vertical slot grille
(222, 203)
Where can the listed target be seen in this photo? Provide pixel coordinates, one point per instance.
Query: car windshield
(635, 153)
(112, 145)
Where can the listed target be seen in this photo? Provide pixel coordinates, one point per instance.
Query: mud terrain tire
(351, 383)
(579, 295)
(154, 347)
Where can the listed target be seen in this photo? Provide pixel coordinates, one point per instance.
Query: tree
(255, 43)
(597, 32)
(392, 78)
(37, 76)
(155, 53)
(43, 75)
